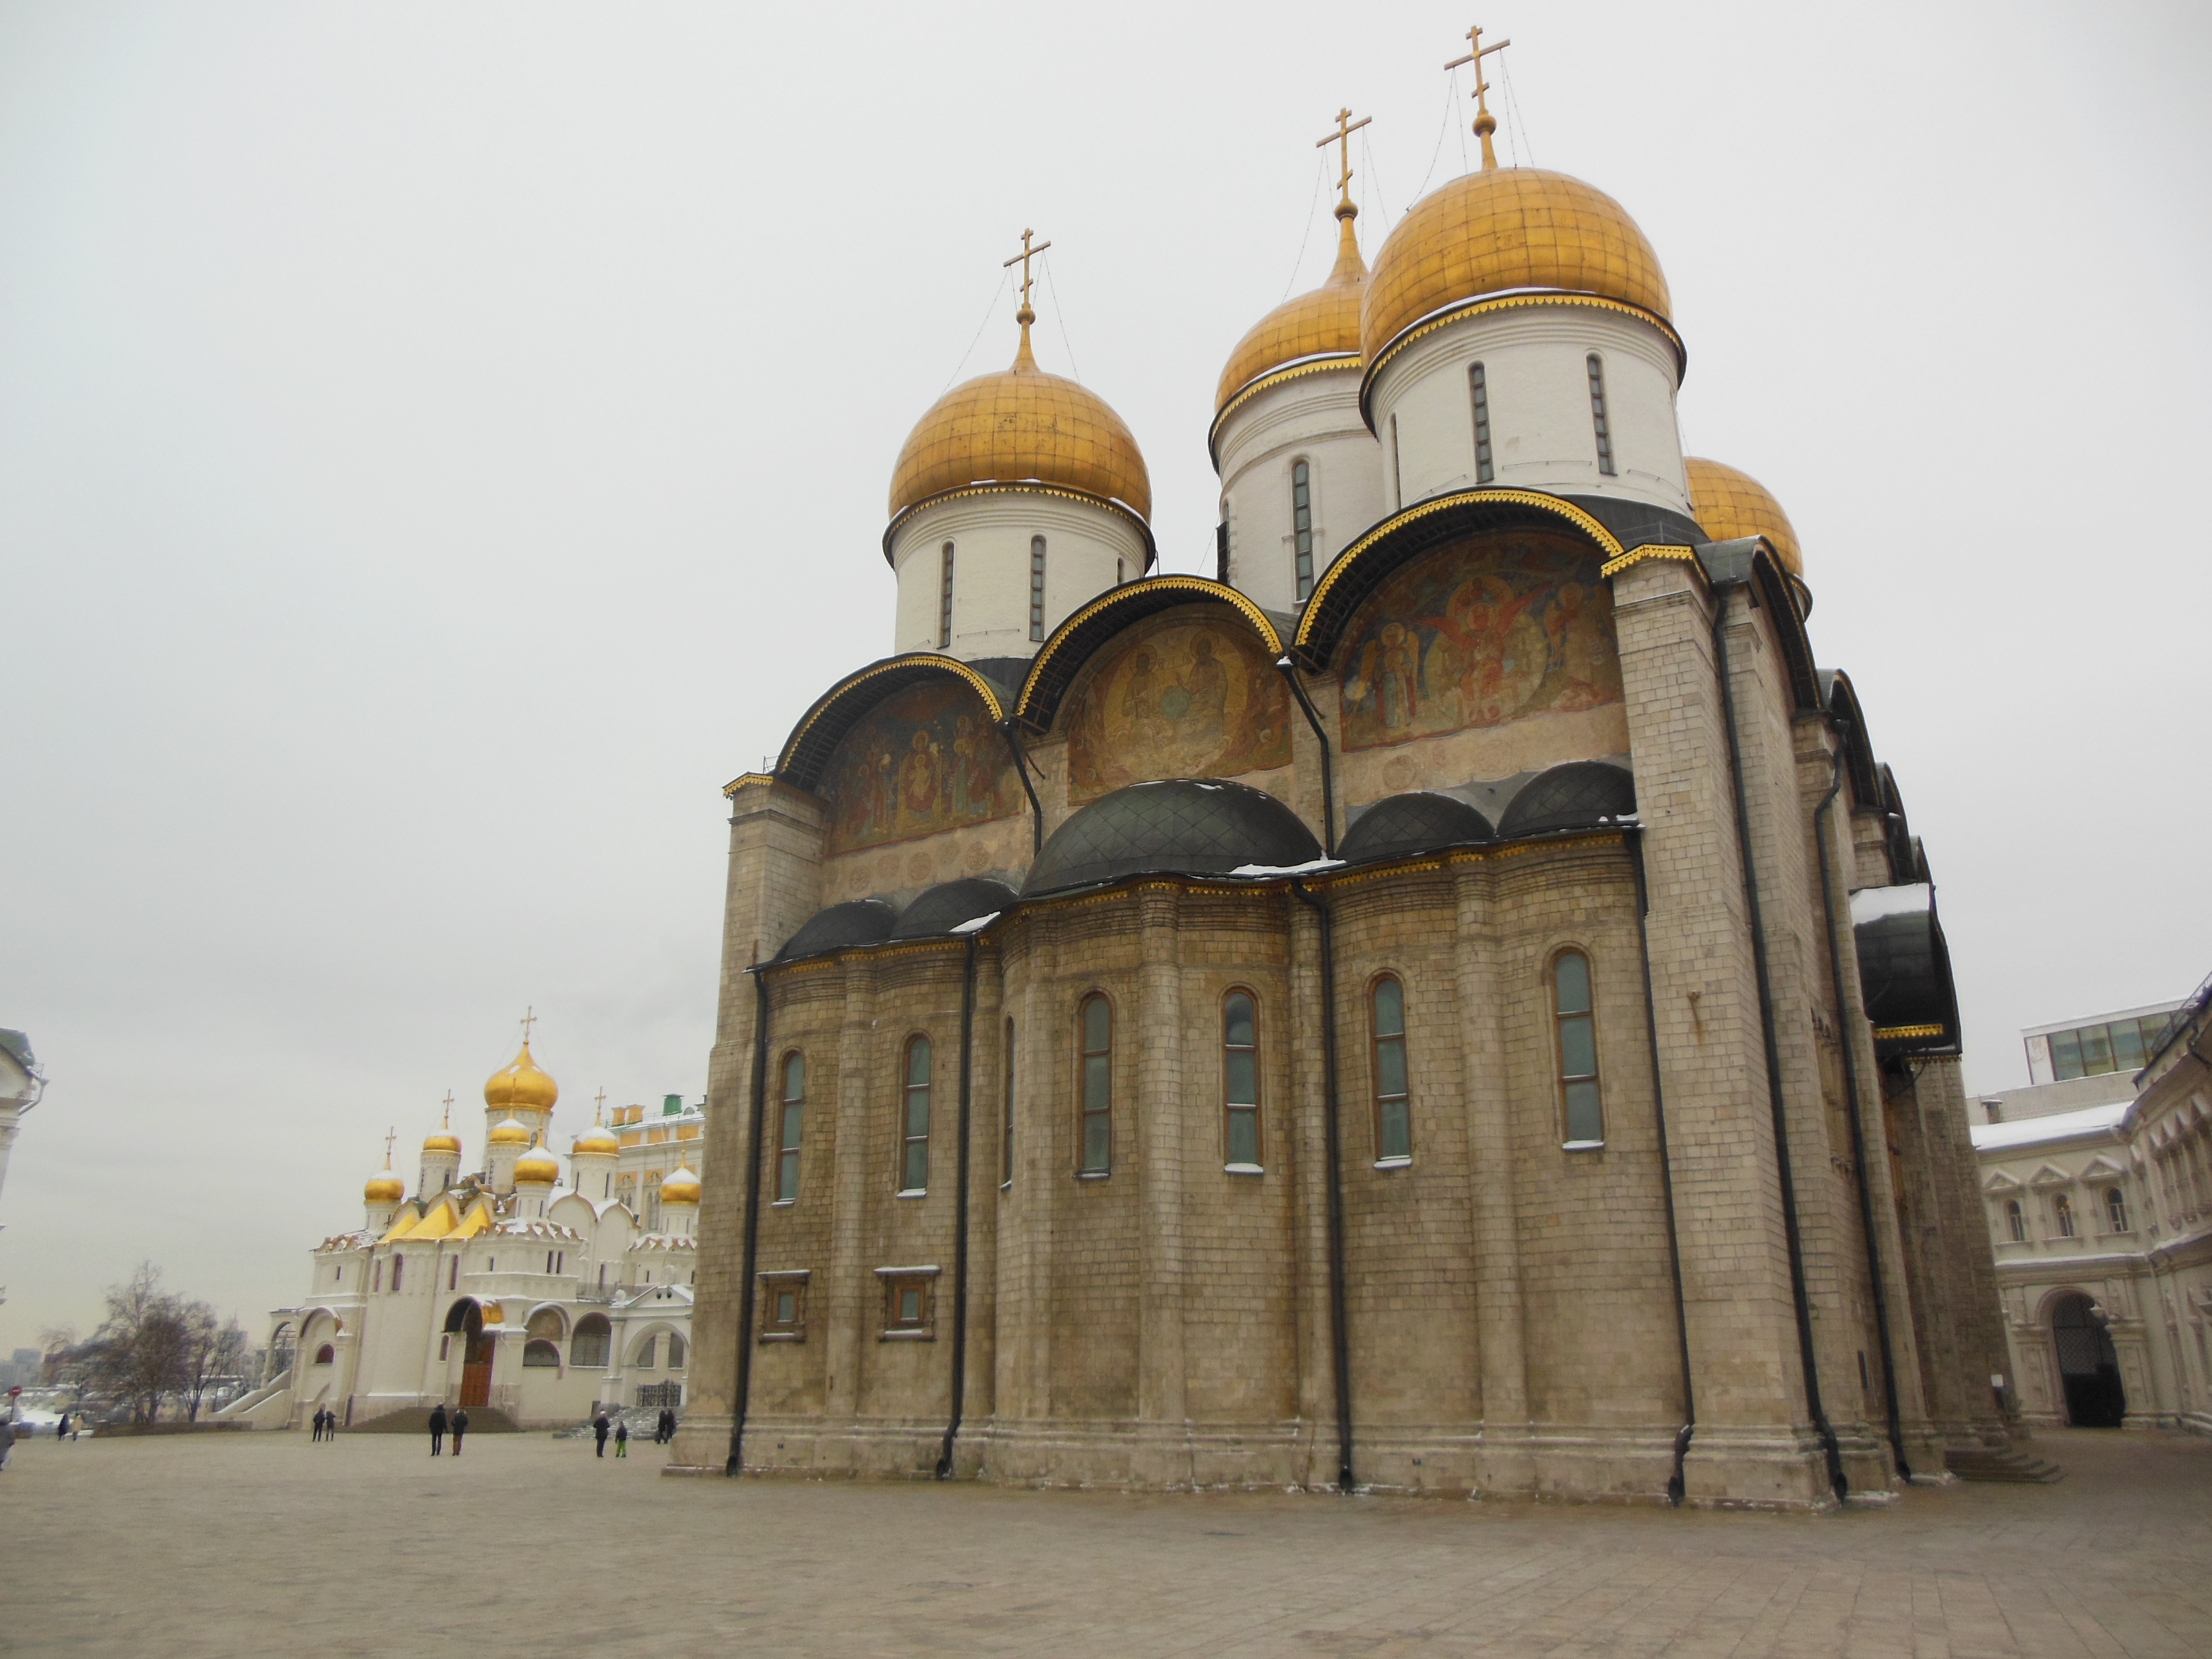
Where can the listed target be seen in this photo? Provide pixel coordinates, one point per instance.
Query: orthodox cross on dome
(529, 1020)
(390, 1135)
(599, 1115)
(446, 1120)
(1484, 124)
(1022, 359)
(1346, 126)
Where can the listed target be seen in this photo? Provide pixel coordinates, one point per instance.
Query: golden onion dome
(1321, 325)
(1727, 504)
(383, 1187)
(679, 1186)
(520, 1083)
(536, 1167)
(1021, 425)
(1503, 230)
(595, 1142)
(508, 1132)
(444, 1141)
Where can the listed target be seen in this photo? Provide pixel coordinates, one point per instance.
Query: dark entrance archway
(2086, 1365)
(467, 1321)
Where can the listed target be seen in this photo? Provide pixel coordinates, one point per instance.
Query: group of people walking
(603, 1426)
(459, 1422)
(324, 1423)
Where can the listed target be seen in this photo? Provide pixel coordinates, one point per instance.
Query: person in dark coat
(600, 1429)
(61, 1427)
(461, 1427)
(437, 1427)
(664, 1430)
(318, 1421)
(622, 1440)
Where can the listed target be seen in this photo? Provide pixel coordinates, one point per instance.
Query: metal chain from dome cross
(1485, 123)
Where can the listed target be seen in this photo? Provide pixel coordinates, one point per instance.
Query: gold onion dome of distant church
(1727, 504)
(384, 1187)
(1021, 425)
(508, 1132)
(443, 1140)
(537, 1165)
(682, 1187)
(1323, 324)
(595, 1142)
(1504, 229)
(520, 1083)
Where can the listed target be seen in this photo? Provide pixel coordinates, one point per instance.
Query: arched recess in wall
(1173, 676)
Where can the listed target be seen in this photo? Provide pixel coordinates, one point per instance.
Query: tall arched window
(944, 603)
(2115, 1210)
(375, 1276)
(1097, 1025)
(1598, 421)
(675, 1351)
(1301, 524)
(794, 1101)
(1007, 1125)
(1479, 390)
(1584, 1113)
(2063, 1208)
(1240, 1080)
(1036, 587)
(1394, 1122)
(399, 1269)
(914, 1124)
(2015, 1223)
(588, 1346)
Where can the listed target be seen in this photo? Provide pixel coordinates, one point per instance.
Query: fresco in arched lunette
(1181, 697)
(1477, 635)
(923, 760)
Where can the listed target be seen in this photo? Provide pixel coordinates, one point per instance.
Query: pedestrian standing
(7, 1442)
(315, 1425)
(664, 1429)
(622, 1440)
(437, 1427)
(599, 1426)
(330, 1425)
(76, 1426)
(461, 1427)
(61, 1427)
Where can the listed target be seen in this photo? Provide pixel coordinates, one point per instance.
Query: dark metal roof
(1574, 796)
(1638, 524)
(1905, 978)
(941, 908)
(1749, 562)
(1416, 822)
(856, 921)
(1179, 826)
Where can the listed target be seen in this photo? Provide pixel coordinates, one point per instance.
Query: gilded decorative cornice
(1636, 556)
(1025, 487)
(1444, 318)
(1319, 364)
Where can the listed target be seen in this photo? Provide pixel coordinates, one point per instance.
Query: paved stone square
(226, 1544)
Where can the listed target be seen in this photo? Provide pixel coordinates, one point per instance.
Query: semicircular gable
(1405, 535)
(807, 751)
(1843, 702)
(1095, 626)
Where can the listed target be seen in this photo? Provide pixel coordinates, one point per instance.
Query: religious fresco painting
(1478, 635)
(1179, 700)
(924, 759)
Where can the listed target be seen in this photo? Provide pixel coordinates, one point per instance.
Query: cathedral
(1450, 1003)
(593, 1306)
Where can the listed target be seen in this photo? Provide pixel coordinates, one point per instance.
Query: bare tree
(213, 1353)
(140, 1352)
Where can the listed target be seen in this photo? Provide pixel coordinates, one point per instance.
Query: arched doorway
(2087, 1366)
(467, 1321)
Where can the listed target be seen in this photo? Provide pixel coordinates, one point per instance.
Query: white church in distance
(504, 1289)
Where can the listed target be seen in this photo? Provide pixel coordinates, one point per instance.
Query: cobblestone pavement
(226, 1544)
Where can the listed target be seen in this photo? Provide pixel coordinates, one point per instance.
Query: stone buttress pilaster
(1316, 1384)
(865, 1147)
(987, 1110)
(1160, 1129)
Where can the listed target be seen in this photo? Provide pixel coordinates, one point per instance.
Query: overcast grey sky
(440, 446)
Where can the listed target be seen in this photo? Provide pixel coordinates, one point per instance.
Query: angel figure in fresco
(922, 781)
(1205, 721)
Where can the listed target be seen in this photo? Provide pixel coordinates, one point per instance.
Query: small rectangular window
(783, 1309)
(1585, 1118)
(1097, 1027)
(944, 603)
(1480, 387)
(2065, 1055)
(794, 1098)
(1036, 587)
(909, 1301)
(1597, 415)
(913, 1154)
(1302, 525)
(1394, 1125)
(1240, 1082)
(2096, 1050)
(2127, 1045)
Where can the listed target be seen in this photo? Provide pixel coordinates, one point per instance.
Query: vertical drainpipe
(960, 1220)
(1328, 787)
(1339, 1340)
(1798, 1294)
(736, 1463)
(1851, 1100)
(1021, 766)
(1677, 1483)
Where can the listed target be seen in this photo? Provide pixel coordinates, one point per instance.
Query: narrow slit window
(794, 1102)
(1240, 1079)
(1394, 1124)
(1097, 1022)
(2115, 1210)
(1578, 1089)
(1597, 415)
(1036, 587)
(1302, 525)
(1120, 572)
(944, 603)
(1007, 1123)
(2063, 1208)
(1397, 478)
(398, 1268)
(2015, 1223)
(1479, 389)
(914, 1126)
